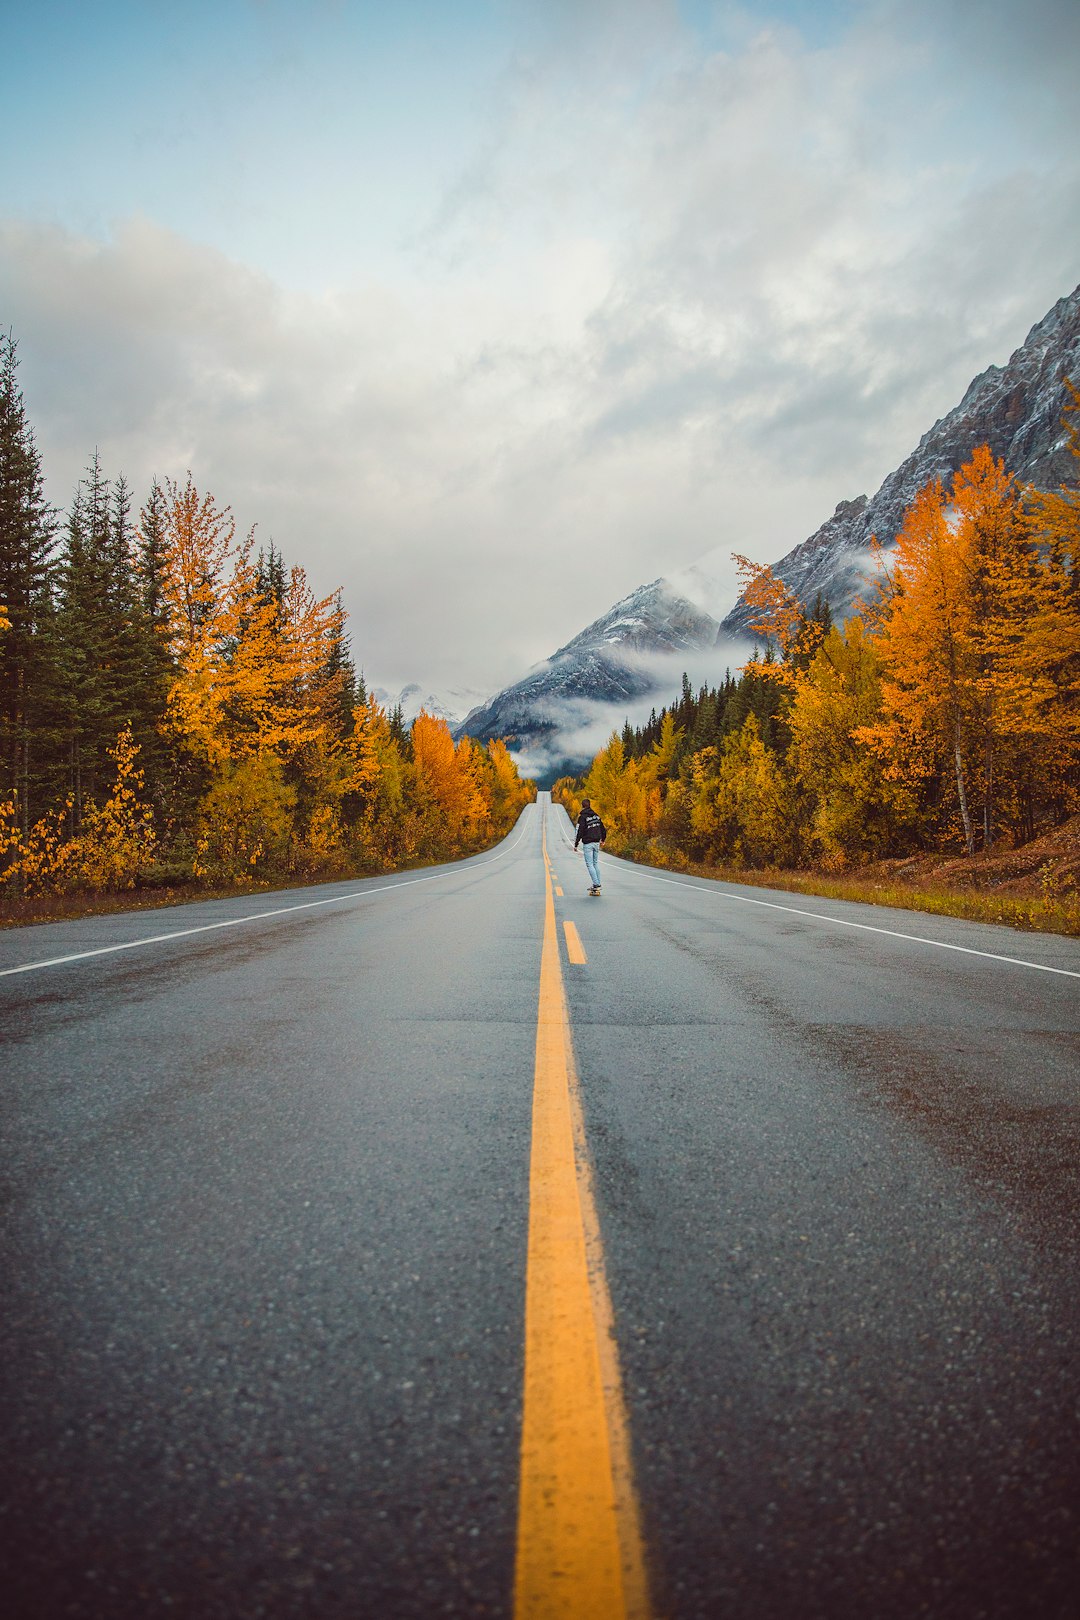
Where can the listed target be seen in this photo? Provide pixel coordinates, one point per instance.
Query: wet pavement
(266, 1201)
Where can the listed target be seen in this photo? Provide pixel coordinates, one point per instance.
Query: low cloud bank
(580, 727)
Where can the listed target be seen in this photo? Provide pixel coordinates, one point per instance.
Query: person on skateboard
(591, 834)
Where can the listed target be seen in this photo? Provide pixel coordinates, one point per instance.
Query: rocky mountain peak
(1016, 409)
(561, 711)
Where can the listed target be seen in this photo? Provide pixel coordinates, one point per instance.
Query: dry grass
(1045, 915)
(1034, 887)
(45, 908)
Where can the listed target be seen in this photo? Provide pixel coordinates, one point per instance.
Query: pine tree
(151, 559)
(155, 667)
(27, 646)
(84, 618)
(106, 639)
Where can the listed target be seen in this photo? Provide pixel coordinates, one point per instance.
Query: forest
(178, 707)
(944, 714)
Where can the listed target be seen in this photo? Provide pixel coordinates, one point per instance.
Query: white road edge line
(235, 922)
(845, 922)
(868, 928)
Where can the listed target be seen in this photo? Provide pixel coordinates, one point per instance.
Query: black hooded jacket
(590, 829)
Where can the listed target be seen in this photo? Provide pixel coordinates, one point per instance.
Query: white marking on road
(257, 916)
(869, 928)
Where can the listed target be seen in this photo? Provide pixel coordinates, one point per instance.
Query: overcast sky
(491, 310)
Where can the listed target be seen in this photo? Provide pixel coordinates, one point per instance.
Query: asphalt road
(267, 1196)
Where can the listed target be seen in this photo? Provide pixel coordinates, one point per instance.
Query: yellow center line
(575, 950)
(579, 1553)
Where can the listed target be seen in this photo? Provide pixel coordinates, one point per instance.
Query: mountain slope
(561, 711)
(449, 705)
(1016, 409)
(620, 659)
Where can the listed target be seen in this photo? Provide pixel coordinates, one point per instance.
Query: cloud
(582, 727)
(688, 293)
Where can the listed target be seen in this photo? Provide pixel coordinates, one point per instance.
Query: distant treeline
(176, 705)
(945, 715)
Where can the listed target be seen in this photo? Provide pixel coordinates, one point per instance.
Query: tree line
(179, 705)
(944, 714)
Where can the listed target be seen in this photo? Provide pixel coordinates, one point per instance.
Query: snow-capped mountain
(633, 656)
(1016, 409)
(452, 705)
(562, 710)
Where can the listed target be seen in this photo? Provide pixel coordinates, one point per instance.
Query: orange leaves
(429, 797)
(779, 617)
(980, 643)
(445, 784)
(199, 540)
(248, 659)
(114, 844)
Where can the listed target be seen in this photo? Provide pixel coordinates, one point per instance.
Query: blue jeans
(591, 853)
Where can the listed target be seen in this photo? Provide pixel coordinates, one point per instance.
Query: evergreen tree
(151, 554)
(337, 683)
(86, 622)
(27, 645)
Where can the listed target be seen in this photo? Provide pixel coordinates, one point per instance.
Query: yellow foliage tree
(198, 544)
(116, 844)
(387, 831)
(447, 793)
(740, 805)
(853, 809)
(977, 634)
(508, 793)
(246, 820)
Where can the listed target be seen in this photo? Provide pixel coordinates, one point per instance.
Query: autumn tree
(446, 788)
(199, 538)
(850, 808)
(1041, 705)
(741, 805)
(508, 793)
(778, 616)
(978, 632)
(928, 692)
(386, 828)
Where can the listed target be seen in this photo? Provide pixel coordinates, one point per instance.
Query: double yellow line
(579, 1549)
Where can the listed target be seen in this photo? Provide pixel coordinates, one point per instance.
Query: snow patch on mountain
(617, 668)
(451, 705)
(632, 657)
(1017, 409)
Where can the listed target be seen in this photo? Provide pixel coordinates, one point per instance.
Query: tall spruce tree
(27, 646)
(109, 657)
(83, 618)
(152, 621)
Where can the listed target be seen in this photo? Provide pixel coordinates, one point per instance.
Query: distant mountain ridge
(636, 651)
(611, 661)
(1016, 409)
(451, 705)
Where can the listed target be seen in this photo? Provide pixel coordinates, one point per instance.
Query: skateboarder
(591, 834)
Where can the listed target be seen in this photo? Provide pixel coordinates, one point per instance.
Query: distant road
(455, 1243)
